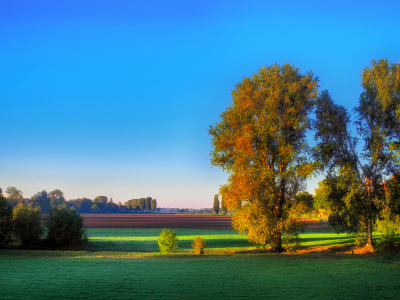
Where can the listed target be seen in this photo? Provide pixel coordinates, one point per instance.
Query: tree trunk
(278, 243)
(369, 235)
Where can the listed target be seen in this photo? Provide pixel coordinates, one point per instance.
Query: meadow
(125, 263)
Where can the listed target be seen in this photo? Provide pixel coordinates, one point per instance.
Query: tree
(26, 224)
(65, 227)
(56, 197)
(352, 192)
(6, 213)
(101, 199)
(42, 200)
(142, 203)
(14, 193)
(153, 204)
(223, 207)
(216, 204)
(95, 208)
(119, 205)
(260, 142)
(148, 203)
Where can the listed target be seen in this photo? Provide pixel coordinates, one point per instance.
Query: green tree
(352, 191)
(305, 201)
(216, 205)
(56, 197)
(261, 143)
(14, 193)
(153, 204)
(101, 199)
(142, 204)
(42, 200)
(6, 214)
(95, 208)
(26, 224)
(167, 241)
(65, 227)
(148, 203)
(224, 210)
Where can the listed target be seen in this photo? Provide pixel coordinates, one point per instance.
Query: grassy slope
(199, 277)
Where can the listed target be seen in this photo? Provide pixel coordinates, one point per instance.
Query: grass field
(309, 276)
(145, 240)
(126, 264)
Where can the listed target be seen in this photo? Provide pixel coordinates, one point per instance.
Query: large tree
(261, 143)
(352, 192)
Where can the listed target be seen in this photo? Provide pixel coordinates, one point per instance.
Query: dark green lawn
(200, 277)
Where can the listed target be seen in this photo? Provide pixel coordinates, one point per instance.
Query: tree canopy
(260, 141)
(352, 191)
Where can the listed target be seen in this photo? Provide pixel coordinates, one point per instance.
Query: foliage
(224, 210)
(153, 204)
(26, 224)
(65, 227)
(306, 200)
(352, 191)
(42, 200)
(6, 214)
(199, 244)
(95, 208)
(216, 204)
(147, 203)
(56, 198)
(261, 143)
(142, 203)
(14, 193)
(101, 199)
(168, 242)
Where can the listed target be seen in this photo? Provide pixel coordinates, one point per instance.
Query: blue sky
(115, 97)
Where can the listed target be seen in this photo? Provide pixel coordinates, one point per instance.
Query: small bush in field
(168, 242)
(199, 244)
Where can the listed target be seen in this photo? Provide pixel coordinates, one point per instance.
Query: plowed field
(175, 221)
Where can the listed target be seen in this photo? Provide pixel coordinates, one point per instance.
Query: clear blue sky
(115, 97)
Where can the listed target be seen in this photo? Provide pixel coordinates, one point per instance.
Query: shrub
(65, 227)
(26, 224)
(388, 225)
(5, 221)
(168, 242)
(199, 244)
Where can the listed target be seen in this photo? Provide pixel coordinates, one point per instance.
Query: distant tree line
(100, 204)
(22, 225)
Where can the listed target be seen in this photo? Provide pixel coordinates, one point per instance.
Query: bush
(26, 224)
(199, 244)
(65, 227)
(168, 242)
(388, 225)
(6, 214)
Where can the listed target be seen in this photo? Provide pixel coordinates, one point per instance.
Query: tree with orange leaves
(260, 141)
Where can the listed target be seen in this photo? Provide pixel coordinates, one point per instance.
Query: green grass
(145, 240)
(127, 264)
(199, 277)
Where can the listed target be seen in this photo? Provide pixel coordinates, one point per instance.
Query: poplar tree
(260, 141)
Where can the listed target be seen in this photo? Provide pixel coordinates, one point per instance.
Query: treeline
(21, 226)
(101, 204)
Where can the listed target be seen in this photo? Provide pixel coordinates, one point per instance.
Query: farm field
(200, 277)
(125, 263)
